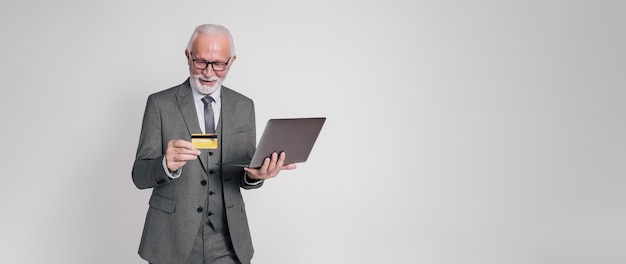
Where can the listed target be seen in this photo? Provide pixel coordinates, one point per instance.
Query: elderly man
(196, 212)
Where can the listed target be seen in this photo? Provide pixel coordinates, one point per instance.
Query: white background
(457, 131)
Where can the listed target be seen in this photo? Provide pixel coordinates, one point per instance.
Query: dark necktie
(209, 121)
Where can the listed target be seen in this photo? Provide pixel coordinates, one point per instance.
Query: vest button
(210, 214)
(203, 182)
(211, 172)
(211, 192)
(199, 209)
(211, 153)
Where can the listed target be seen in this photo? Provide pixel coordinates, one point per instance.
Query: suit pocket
(162, 203)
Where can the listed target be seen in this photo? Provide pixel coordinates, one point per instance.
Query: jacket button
(211, 172)
(199, 209)
(203, 182)
(210, 214)
(211, 153)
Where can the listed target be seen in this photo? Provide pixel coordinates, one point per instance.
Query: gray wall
(457, 132)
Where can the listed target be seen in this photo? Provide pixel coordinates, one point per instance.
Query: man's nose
(208, 71)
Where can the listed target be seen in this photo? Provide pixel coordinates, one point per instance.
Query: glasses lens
(200, 65)
(219, 66)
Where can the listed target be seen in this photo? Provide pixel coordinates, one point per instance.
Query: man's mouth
(208, 81)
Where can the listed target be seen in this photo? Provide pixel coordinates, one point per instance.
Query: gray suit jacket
(173, 220)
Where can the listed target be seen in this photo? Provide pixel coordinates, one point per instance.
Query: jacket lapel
(188, 110)
(228, 107)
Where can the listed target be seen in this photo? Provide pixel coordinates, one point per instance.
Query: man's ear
(232, 60)
(187, 54)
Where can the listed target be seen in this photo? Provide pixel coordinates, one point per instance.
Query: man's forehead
(205, 41)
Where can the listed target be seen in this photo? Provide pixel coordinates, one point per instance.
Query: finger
(194, 150)
(281, 159)
(290, 166)
(184, 157)
(180, 157)
(181, 154)
(181, 147)
(186, 151)
(266, 164)
(281, 162)
(272, 167)
(179, 143)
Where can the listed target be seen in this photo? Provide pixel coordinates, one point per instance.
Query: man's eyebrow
(198, 59)
(203, 60)
(193, 56)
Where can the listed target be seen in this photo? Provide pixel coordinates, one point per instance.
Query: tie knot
(207, 100)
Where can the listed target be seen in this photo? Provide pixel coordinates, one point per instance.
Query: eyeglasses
(202, 65)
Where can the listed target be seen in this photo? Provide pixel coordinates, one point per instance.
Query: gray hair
(211, 29)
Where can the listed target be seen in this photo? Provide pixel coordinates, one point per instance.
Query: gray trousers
(212, 247)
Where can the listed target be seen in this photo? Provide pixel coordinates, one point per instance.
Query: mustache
(212, 78)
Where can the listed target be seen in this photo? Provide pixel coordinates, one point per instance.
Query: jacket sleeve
(148, 171)
(245, 182)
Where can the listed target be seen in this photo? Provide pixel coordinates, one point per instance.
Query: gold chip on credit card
(204, 141)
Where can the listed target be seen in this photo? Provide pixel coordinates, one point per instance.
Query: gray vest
(215, 216)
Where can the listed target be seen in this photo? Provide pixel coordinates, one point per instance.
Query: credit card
(204, 141)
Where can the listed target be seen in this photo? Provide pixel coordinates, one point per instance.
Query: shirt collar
(217, 95)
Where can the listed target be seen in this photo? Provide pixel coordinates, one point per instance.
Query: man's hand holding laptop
(270, 168)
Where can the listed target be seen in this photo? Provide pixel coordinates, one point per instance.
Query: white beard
(205, 89)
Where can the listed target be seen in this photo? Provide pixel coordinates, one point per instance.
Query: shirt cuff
(172, 175)
(254, 182)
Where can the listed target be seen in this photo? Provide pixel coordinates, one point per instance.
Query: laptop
(294, 136)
